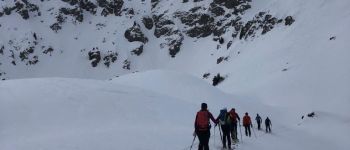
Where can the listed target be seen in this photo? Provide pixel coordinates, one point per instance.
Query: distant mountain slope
(291, 52)
(106, 38)
(304, 66)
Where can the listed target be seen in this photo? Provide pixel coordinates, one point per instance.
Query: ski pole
(253, 131)
(194, 138)
(220, 133)
(240, 130)
(270, 126)
(214, 137)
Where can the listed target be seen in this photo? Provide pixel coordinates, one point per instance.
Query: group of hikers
(228, 122)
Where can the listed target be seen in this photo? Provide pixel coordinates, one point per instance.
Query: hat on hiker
(204, 106)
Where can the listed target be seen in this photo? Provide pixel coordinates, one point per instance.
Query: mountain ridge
(142, 27)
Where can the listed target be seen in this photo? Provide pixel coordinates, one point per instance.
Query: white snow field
(62, 103)
(151, 110)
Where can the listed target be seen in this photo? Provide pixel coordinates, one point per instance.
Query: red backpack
(202, 121)
(246, 120)
(233, 116)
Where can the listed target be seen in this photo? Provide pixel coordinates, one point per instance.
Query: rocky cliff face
(107, 32)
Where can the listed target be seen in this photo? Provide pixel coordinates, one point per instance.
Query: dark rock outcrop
(217, 79)
(135, 34)
(263, 21)
(111, 57)
(138, 51)
(289, 20)
(148, 22)
(111, 7)
(200, 25)
(229, 44)
(216, 10)
(23, 8)
(154, 3)
(175, 45)
(55, 27)
(83, 4)
(206, 75)
(108, 7)
(126, 64)
(163, 26)
(77, 13)
(25, 54)
(48, 51)
(94, 57)
(232, 4)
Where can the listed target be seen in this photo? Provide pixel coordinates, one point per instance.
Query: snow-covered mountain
(103, 39)
(282, 59)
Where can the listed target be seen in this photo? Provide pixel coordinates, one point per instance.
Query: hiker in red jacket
(202, 126)
(247, 123)
(234, 118)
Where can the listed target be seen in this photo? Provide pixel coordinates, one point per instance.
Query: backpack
(267, 122)
(202, 121)
(233, 116)
(224, 118)
(258, 119)
(228, 120)
(246, 121)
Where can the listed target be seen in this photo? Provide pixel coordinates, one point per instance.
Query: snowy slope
(284, 74)
(299, 67)
(289, 131)
(86, 114)
(59, 113)
(68, 56)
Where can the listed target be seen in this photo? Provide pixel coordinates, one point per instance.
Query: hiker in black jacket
(224, 120)
(258, 121)
(268, 125)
